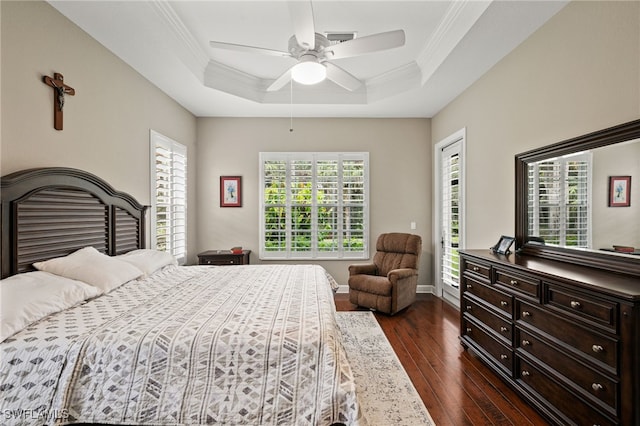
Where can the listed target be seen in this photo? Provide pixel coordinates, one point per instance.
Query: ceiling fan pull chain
(291, 105)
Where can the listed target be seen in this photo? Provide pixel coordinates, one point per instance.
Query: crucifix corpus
(59, 90)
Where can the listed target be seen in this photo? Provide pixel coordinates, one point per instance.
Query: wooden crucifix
(59, 90)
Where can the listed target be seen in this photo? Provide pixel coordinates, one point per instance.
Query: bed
(143, 341)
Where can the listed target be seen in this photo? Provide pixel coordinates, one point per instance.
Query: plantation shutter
(274, 205)
(559, 200)
(314, 205)
(354, 208)
(169, 190)
(302, 212)
(450, 215)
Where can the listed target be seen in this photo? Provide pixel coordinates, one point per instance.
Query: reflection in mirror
(568, 200)
(564, 208)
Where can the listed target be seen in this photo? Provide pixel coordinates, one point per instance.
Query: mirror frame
(627, 264)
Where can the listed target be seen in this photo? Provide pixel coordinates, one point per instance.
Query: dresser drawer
(501, 300)
(221, 260)
(583, 378)
(573, 408)
(528, 286)
(478, 268)
(501, 354)
(602, 312)
(583, 340)
(501, 327)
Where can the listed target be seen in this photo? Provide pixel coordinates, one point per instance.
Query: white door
(449, 215)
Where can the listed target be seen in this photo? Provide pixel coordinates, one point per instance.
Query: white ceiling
(449, 45)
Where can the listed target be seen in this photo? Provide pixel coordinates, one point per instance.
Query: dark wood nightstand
(223, 257)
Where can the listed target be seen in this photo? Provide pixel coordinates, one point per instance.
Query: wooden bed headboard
(53, 211)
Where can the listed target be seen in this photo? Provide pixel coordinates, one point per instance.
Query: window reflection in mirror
(567, 203)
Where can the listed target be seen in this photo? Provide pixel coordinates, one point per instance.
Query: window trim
(314, 254)
(159, 140)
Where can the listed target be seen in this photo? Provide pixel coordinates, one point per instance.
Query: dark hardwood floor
(456, 387)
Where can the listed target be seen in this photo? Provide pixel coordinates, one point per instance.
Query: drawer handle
(475, 269)
(597, 387)
(526, 314)
(468, 307)
(469, 286)
(513, 282)
(468, 329)
(525, 373)
(503, 329)
(597, 348)
(526, 343)
(575, 304)
(504, 303)
(503, 356)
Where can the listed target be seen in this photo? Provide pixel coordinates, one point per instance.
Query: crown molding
(459, 19)
(185, 46)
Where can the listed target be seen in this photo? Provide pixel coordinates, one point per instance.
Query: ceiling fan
(314, 52)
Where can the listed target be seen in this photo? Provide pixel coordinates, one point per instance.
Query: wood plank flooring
(455, 386)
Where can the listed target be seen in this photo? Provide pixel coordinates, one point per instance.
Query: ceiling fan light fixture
(308, 71)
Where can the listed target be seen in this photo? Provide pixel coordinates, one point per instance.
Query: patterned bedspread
(242, 345)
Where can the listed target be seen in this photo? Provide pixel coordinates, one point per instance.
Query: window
(314, 205)
(450, 214)
(559, 200)
(168, 196)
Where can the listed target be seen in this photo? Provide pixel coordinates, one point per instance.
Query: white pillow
(148, 260)
(92, 267)
(29, 297)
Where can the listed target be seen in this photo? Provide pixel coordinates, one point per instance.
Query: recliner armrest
(398, 274)
(367, 269)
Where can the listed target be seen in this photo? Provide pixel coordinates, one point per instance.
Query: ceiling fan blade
(303, 27)
(367, 44)
(248, 49)
(341, 77)
(280, 82)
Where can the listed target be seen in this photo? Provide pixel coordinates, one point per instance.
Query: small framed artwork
(619, 191)
(230, 191)
(503, 245)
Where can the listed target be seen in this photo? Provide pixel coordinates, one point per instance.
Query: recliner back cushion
(396, 251)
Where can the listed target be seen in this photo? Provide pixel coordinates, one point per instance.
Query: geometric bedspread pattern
(242, 345)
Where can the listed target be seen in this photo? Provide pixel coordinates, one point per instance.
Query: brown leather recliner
(389, 284)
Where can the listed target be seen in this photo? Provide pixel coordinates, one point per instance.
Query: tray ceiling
(449, 45)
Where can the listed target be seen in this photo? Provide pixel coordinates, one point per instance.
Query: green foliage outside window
(301, 221)
(301, 208)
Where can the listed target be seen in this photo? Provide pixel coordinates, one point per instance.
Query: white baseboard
(431, 289)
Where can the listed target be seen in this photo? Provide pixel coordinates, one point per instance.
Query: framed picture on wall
(230, 191)
(619, 191)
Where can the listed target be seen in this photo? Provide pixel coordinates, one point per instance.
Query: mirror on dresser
(563, 209)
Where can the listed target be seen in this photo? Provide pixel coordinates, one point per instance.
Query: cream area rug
(385, 392)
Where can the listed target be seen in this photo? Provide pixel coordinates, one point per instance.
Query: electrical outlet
(413, 225)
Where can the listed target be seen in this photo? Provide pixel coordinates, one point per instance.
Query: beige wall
(580, 72)
(106, 123)
(616, 225)
(400, 175)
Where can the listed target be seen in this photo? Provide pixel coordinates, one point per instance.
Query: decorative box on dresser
(565, 336)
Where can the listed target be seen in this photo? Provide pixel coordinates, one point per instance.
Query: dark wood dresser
(223, 257)
(565, 336)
